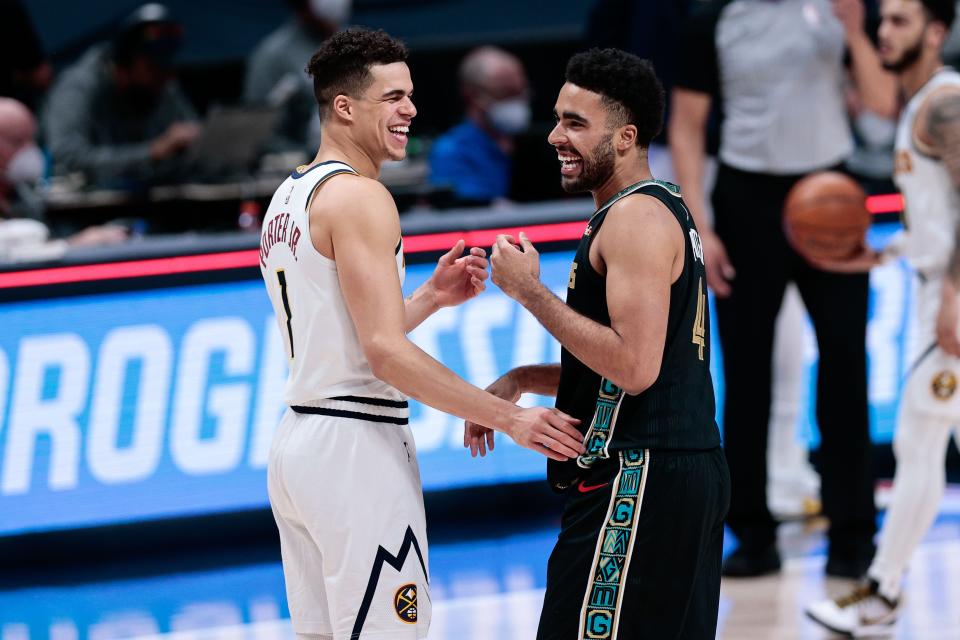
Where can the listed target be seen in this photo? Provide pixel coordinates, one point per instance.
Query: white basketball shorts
(348, 503)
(931, 387)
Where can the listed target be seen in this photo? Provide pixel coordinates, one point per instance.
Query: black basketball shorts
(639, 551)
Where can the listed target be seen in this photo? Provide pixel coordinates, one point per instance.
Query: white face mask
(335, 11)
(26, 165)
(510, 116)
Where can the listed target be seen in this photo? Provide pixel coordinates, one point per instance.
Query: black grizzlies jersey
(677, 411)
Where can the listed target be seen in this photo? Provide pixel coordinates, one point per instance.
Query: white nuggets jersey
(931, 202)
(325, 356)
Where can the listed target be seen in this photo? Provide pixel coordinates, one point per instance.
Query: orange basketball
(825, 216)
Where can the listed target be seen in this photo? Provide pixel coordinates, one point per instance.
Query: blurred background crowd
(128, 119)
(126, 125)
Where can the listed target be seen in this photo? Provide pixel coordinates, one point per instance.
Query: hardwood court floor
(486, 587)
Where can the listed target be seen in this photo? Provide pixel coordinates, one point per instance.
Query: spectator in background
(474, 158)
(778, 69)
(23, 236)
(871, 161)
(25, 72)
(118, 115)
(276, 71)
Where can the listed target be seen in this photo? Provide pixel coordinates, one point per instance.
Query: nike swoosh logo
(587, 488)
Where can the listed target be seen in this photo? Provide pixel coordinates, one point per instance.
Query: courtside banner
(148, 404)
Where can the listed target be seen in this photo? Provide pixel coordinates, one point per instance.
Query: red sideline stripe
(485, 237)
(130, 269)
(250, 258)
(888, 203)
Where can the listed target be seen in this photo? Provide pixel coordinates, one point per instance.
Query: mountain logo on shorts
(944, 385)
(405, 603)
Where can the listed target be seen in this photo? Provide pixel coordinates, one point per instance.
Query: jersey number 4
(282, 280)
(699, 330)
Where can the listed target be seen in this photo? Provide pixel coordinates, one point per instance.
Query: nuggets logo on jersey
(944, 385)
(902, 162)
(405, 603)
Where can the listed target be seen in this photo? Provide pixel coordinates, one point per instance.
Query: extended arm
(688, 146)
(371, 288)
(943, 133)
(455, 280)
(541, 379)
(638, 245)
(877, 88)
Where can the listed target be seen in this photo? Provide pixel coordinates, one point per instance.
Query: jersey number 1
(282, 280)
(699, 331)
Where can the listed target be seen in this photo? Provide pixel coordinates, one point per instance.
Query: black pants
(748, 218)
(639, 551)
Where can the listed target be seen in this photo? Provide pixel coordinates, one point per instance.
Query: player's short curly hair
(341, 66)
(629, 87)
(941, 10)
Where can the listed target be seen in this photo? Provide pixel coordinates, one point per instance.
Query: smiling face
(583, 138)
(383, 112)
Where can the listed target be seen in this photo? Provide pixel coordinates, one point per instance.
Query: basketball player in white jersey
(927, 172)
(343, 478)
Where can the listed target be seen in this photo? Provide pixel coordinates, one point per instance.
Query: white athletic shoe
(861, 613)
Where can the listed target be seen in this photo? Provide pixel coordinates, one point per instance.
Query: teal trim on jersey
(597, 440)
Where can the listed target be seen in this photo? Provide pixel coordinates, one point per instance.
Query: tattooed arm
(942, 133)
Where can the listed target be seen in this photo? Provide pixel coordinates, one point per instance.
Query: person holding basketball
(927, 173)
(778, 69)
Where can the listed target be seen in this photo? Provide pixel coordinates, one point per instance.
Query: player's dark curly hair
(941, 10)
(629, 86)
(341, 66)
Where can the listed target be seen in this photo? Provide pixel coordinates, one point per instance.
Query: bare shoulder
(355, 194)
(643, 220)
(938, 117)
(353, 209)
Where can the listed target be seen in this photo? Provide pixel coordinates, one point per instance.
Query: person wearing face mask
(118, 115)
(276, 73)
(777, 70)
(23, 235)
(474, 158)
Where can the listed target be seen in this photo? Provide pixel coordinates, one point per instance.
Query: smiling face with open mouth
(583, 139)
(385, 112)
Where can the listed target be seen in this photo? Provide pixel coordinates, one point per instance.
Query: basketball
(825, 216)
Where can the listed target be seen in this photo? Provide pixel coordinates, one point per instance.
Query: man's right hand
(548, 431)
(177, 137)
(479, 438)
(720, 270)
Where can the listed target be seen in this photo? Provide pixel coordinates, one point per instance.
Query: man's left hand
(457, 279)
(514, 270)
(947, 319)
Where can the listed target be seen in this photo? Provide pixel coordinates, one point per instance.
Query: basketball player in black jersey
(639, 550)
